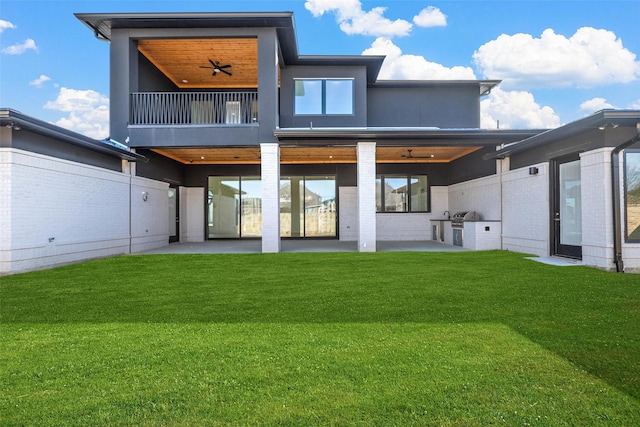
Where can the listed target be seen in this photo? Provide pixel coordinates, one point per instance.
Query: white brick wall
(56, 211)
(597, 210)
(366, 152)
(150, 218)
(192, 214)
(348, 213)
(270, 170)
(525, 211)
(480, 195)
(403, 226)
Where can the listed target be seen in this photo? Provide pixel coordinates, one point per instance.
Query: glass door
(567, 208)
(174, 218)
(308, 206)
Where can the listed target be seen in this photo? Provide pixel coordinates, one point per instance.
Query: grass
(453, 339)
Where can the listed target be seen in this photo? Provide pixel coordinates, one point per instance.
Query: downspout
(617, 226)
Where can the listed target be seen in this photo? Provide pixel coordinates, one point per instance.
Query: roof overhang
(101, 24)
(399, 136)
(598, 120)
(484, 86)
(15, 119)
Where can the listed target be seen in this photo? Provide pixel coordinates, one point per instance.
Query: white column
(366, 152)
(270, 172)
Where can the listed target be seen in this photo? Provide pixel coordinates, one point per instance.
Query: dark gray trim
(615, 173)
(594, 121)
(9, 117)
(484, 86)
(426, 136)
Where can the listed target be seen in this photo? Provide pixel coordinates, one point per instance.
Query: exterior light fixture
(533, 170)
(145, 196)
(608, 125)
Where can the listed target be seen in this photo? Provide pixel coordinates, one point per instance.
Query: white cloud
(398, 66)
(354, 20)
(39, 81)
(430, 17)
(88, 111)
(591, 57)
(515, 110)
(595, 104)
(6, 25)
(635, 105)
(20, 48)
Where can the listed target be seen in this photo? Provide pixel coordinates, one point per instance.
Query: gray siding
(446, 107)
(35, 143)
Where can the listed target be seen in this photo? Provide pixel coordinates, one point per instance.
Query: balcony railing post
(187, 108)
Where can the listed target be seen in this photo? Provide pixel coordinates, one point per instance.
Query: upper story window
(324, 96)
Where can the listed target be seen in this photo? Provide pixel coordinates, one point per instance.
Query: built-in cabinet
(474, 235)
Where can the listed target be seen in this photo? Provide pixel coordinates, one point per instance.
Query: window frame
(627, 237)
(380, 193)
(323, 95)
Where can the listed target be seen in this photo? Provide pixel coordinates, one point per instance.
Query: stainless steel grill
(458, 219)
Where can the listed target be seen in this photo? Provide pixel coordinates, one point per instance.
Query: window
(324, 97)
(632, 194)
(402, 193)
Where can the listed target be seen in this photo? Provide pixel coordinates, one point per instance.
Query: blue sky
(558, 60)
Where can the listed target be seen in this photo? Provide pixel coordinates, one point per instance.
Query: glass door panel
(173, 214)
(251, 212)
(223, 204)
(320, 206)
(570, 204)
(567, 212)
(292, 206)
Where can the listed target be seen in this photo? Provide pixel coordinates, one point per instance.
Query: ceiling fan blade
(212, 63)
(225, 71)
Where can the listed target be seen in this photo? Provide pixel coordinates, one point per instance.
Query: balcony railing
(194, 108)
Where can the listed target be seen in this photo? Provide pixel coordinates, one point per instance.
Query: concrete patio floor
(299, 245)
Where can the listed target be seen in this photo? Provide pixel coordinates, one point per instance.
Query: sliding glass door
(308, 206)
(234, 207)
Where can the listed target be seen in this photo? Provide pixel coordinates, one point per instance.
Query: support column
(270, 174)
(366, 153)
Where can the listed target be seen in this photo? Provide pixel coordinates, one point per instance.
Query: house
(230, 132)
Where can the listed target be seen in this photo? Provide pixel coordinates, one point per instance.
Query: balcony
(194, 108)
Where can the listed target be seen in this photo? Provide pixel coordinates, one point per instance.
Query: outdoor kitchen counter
(477, 235)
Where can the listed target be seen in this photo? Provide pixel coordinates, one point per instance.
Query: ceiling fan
(411, 156)
(217, 68)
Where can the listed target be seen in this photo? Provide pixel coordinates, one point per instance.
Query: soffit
(186, 62)
(316, 155)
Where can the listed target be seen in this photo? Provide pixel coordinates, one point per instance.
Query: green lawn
(301, 339)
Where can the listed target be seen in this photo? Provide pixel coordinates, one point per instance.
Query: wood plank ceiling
(315, 155)
(186, 62)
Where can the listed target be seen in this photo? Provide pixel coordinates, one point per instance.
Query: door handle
(557, 216)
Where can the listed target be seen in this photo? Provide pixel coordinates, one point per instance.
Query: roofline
(9, 117)
(101, 24)
(485, 85)
(487, 137)
(581, 125)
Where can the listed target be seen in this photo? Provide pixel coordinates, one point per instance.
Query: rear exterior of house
(244, 138)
